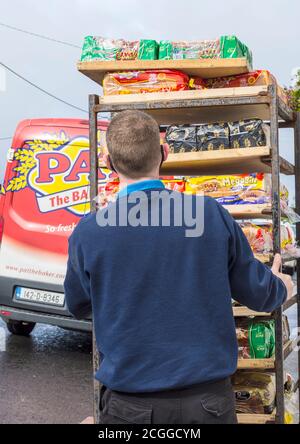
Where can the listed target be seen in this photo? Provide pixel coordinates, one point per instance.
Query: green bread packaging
(87, 48)
(148, 50)
(165, 50)
(262, 339)
(232, 47)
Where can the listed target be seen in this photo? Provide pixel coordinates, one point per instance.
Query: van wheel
(20, 328)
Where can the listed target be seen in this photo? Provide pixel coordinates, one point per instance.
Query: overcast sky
(269, 27)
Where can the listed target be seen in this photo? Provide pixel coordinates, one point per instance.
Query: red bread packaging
(135, 82)
(254, 78)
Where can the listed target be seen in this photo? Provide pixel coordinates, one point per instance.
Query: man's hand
(88, 420)
(286, 278)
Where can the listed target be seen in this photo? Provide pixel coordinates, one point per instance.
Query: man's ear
(165, 151)
(107, 162)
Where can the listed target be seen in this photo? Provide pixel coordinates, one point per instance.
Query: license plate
(39, 296)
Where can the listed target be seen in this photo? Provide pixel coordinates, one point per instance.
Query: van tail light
(1, 227)
(5, 313)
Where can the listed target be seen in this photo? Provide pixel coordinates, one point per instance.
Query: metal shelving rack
(210, 106)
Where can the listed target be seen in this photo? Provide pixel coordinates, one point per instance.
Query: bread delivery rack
(205, 106)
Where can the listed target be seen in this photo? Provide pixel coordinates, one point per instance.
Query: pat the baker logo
(58, 172)
(61, 178)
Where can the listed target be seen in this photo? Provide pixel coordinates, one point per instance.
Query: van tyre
(20, 328)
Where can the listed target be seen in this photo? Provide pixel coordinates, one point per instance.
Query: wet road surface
(47, 377)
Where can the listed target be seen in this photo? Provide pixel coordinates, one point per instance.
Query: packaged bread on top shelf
(227, 46)
(148, 81)
(182, 49)
(104, 49)
(101, 48)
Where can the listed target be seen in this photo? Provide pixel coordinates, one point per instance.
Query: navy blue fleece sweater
(161, 301)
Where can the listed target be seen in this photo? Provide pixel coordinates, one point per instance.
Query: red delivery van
(44, 194)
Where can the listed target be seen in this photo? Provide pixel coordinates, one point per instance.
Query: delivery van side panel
(46, 194)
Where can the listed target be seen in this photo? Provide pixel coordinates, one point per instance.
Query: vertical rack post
(276, 218)
(93, 101)
(297, 205)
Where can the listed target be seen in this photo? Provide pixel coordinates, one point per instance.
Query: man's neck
(125, 181)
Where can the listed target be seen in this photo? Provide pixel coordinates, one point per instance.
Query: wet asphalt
(47, 377)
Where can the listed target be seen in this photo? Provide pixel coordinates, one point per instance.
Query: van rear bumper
(33, 316)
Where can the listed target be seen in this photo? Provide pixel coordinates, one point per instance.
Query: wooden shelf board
(240, 311)
(230, 161)
(285, 111)
(205, 68)
(286, 167)
(210, 105)
(288, 304)
(207, 114)
(169, 99)
(249, 211)
(252, 418)
(265, 258)
(289, 347)
(250, 158)
(244, 364)
(286, 260)
(268, 363)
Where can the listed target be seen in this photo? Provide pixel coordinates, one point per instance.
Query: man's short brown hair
(133, 142)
